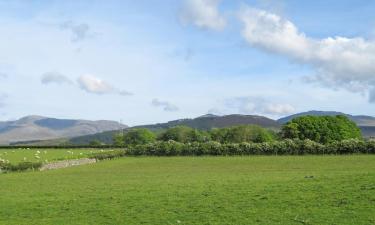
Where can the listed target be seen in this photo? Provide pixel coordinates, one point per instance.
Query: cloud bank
(339, 62)
(203, 14)
(166, 106)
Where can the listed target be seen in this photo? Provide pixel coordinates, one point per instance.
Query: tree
(95, 143)
(139, 136)
(243, 133)
(119, 139)
(184, 134)
(322, 129)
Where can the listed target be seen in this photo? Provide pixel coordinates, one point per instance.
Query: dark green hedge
(108, 155)
(285, 147)
(22, 166)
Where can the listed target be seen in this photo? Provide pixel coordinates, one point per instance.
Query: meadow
(15, 156)
(196, 190)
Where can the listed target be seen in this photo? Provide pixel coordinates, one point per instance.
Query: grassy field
(43, 155)
(196, 190)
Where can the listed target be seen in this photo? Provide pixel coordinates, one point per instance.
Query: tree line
(320, 129)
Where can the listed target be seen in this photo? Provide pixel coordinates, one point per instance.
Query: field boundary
(67, 163)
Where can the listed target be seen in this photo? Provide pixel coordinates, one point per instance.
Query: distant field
(196, 190)
(43, 155)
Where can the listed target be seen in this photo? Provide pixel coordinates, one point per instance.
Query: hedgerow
(107, 155)
(22, 166)
(284, 147)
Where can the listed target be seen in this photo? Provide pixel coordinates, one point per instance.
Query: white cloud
(203, 14)
(339, 62)
(253, 105)
(167, 106)
(55, 77)
(95, 85)
(80, 31)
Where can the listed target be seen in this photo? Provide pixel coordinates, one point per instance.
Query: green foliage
(284, 147)
(139, 136)
(95, 143)
(119, 139)
(184, 134)
(112, 154)
(243, 133)
(22, 166)
(322, 129)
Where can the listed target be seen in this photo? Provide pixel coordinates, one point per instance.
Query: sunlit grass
(15, 156)
(196, 190)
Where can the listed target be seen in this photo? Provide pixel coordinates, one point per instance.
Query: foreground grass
(43, 155)
(196, 190)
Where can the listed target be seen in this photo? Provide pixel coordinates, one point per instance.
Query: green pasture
(196, 190)
(15, 156)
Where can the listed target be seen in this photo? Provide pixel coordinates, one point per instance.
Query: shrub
(22, 166)
(108, 155)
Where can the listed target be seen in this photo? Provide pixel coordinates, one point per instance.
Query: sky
(148, 61)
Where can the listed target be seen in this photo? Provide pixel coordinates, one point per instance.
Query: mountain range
(32, 128)
(49, 131)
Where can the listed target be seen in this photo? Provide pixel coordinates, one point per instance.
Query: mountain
(309, 113)
(365, 123)
(360, 120)
(205, 122)
(31, 128)
(210, 121)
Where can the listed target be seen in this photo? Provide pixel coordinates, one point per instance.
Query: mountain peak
(209, 115)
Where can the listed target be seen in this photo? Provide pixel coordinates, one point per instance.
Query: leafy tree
(322, 129)
(220, 134)
(184, 134)
(139, 136)
(119, 139)
(95, 143)
(243, 133)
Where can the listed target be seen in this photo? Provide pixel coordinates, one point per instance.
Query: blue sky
(152, 61)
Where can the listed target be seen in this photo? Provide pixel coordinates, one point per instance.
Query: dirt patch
(67, 163)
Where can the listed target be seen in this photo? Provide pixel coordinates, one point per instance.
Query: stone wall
(67, 163)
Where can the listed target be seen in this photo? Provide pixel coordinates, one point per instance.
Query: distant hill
(365, 123)
(209, 121)
(205, 122)
(360, 120)
(31, 128)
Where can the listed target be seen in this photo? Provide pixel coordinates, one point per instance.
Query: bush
(108, 155)
(22, 166)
